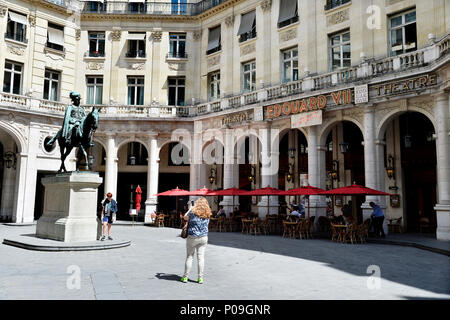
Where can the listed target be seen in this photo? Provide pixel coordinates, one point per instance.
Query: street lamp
(334, 174)
(251, 177)
(212, 176)
(289, 174)
(390, 170)
(292, 153)
(344, 147)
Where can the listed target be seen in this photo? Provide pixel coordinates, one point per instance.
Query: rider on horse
(72, 120)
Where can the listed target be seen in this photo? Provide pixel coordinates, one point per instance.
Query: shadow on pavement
(166, 276)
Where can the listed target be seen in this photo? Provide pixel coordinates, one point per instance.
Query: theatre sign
(314, 103)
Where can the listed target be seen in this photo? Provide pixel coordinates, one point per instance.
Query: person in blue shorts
(109, 209)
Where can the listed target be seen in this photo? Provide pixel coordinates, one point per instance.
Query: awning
(247, 21)
(136, 1)
(55, 36)
(288, 10)
(92, 1)
(213, 38)
(136, 36)
(18, 18)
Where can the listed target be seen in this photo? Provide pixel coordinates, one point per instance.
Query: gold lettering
(312, 103)
(387, 88)
(303, 108)
(322, 102)
(432, 79)
(295, 106)
(277, 110)
(336, 98)
(287, 111)
(270, 112)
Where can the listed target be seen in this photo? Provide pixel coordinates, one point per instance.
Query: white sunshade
(55, 36)
(213, 38)
(18, 18)
(136, 36)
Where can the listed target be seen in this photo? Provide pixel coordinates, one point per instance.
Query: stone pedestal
(70, 207)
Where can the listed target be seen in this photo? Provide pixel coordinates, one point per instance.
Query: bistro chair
(265, 225)
(160, 220)
(349, 235)
(395, 225)
(222, 224)
(255, 227)
(362, 231)
(213, 224)
(336, 230)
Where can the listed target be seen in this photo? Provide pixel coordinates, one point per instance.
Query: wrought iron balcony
(94, 54)
(176, 55)
(335, 3)
(135, 54)
(16, 37)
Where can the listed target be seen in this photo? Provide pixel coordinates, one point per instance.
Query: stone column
(111, 166)
(441, 112)
(228, 172)
(9, 180)
(370, 159)
(316, 174)
(21, 181)
(152, 178)
(264, 32)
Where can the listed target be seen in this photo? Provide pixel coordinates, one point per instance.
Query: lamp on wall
(10, 160)
(334, 174)
(292, 153)
(212, 175)
(289, 174)
(132, 160)
(390, 170)
(344, 147)
(251, 176)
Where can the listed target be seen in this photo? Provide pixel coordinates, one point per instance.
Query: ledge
(54, 51)
(19, 43)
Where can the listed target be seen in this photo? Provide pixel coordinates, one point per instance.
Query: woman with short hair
(109, 208)
(197, 228)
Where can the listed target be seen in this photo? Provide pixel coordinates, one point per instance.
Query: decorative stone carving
(266, 5)
(338, 17)
(77, 34)
(94, 66)
(32, 20)
(213, 61)
(229, 21)
(156, 36)
(248, 49)
(3, 10)
(197, 35)
(16, 50)
(177, 66)
(288, 35)
(115, 35)
(137, 66)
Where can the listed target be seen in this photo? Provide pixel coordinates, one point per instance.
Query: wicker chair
(160, 220)
(222, 224)
(349, 234)
(335, 233)
(300, 230)
(362, 232)
(255, 226)
(395, 225)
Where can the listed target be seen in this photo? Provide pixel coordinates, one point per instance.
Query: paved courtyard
(237, 267)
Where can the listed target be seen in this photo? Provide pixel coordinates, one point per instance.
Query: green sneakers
(200, 280)
(184, 279)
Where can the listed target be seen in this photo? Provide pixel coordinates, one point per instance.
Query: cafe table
(246, 225)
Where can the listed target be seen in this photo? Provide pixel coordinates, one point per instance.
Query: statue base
(70, 207)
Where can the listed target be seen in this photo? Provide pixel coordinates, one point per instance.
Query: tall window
(136, 45)
(247, 28)
(213, 40)
(340, 50)
(95, 6)
(55, 37)
(51, 85)
(335, 3)
(16, 27)
(249, 76)
(179, 7)
(403, 33)
(94, 90)
(136, 91)
(177, 45)
(176, 91)
(96, 44)
(290, 65)
(214, 85)
(12, 80)
(137, 6)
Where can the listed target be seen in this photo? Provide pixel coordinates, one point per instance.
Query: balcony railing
(176, 55)
(434, 55)
(335, 3)
(135, 54)
(157, 8)
(94, 54)
(16, 37)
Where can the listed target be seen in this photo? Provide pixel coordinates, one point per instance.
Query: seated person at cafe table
(296, 211)
(221, 212)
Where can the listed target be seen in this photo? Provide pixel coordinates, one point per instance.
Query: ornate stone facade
(338, 17)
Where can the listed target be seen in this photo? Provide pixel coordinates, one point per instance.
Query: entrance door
(127, 183)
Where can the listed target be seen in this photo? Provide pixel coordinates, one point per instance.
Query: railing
(16, 37)
(94, 54)
(157, 8)
(135, 54)
(335, 3)
(176, 55)
(365, 70)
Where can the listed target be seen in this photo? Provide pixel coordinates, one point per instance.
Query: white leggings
(193, 243)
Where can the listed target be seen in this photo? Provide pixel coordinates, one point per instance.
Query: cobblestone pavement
(237, 267)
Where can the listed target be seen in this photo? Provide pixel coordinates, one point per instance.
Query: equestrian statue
(76, 131)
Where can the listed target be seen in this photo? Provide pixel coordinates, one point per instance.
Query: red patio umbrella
(138, 198)
(174, 193)
(229, 192)
(267, 191)
(201, 192)
(307, 190)
(353, 191)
